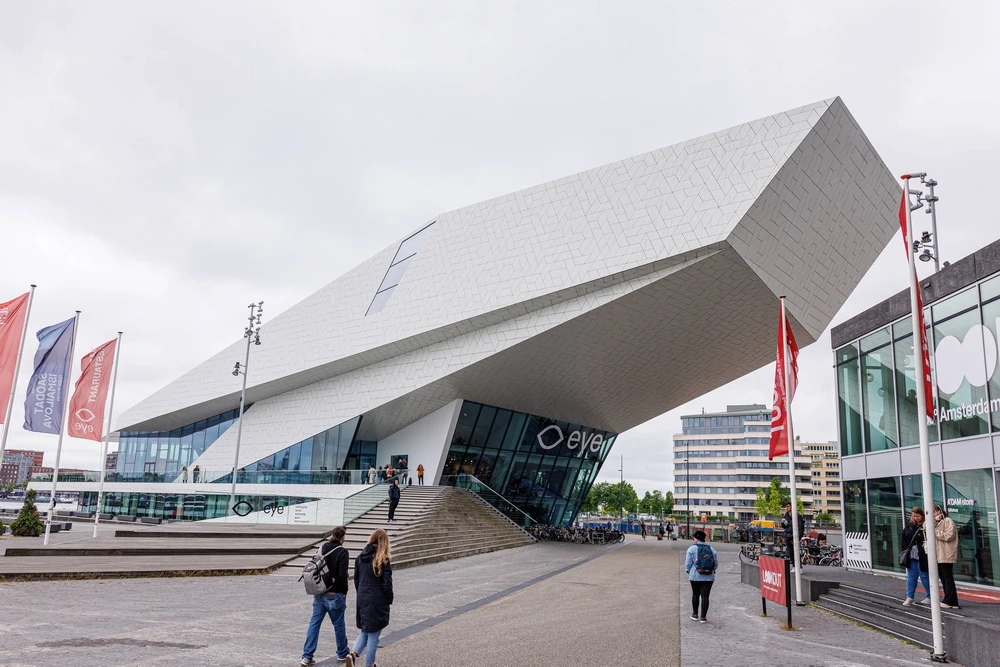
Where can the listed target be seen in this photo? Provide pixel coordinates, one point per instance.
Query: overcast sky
(162, 165)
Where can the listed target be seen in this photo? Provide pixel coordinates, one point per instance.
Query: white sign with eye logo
(552, 436)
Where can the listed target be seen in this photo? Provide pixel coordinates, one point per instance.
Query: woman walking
(947, 554)
(701, 563)
(373, 584)
(913, 539)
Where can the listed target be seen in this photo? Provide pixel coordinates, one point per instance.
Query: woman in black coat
(913, 543)
(373, 584)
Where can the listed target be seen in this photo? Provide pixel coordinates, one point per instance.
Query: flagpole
(785, 353)
(107, 431)
(17, 367)
(67, 378)
(938, 655)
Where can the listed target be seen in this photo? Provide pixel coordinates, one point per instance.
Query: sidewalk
(737, 635)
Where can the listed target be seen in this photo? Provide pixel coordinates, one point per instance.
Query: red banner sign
(773, 583)
(787, 348)
(86, 407)
(12, 316)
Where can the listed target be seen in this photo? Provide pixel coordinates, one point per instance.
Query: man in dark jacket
(334, 602)
(790, 537)
(393, 499)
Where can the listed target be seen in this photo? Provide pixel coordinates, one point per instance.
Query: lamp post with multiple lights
(928, 240)
(252, 334)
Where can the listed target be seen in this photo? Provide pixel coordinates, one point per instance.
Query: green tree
(592, 503)
(824, 517)
(28, 522)
(771, 500)
(668, 503)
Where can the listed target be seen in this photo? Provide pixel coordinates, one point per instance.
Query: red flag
(925, 354)
(86, 406)
(12, 316)
(779, 420)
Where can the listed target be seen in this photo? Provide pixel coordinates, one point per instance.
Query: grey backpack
(314, 571)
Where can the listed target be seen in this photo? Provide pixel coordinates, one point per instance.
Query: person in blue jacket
(701, 573)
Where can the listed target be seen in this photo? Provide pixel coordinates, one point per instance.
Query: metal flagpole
(17, 367)
(930, 541)
(107, 431)
(62, 427)
(785, 353)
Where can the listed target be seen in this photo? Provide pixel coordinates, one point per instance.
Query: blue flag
(43, 408)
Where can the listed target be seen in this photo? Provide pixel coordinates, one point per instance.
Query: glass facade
(169, 451)
(176, 506)
(544, 467)
(331, 450)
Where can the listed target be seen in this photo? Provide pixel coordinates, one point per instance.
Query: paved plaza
(546, 604)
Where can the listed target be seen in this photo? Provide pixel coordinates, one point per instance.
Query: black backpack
(705, 561)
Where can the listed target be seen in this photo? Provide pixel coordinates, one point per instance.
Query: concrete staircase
(433, 523)
(884, 612)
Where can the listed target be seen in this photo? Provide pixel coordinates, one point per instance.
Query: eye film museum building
(515, 339)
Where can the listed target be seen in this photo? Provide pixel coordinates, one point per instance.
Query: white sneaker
(946, 606)
(925, 601)
(907, 602)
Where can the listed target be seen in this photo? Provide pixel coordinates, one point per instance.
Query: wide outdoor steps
(883, 612)
(432, 524)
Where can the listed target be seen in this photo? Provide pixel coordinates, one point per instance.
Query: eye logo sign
(552, 436)
(85, 415)
(974, 358)
(242, 508)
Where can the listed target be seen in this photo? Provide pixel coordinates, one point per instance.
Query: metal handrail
(354, 477)
(364, 500)
(462, 480)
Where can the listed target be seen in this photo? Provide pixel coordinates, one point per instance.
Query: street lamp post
(621, 493)
(252, 334)
(928, 241)
(687, 479)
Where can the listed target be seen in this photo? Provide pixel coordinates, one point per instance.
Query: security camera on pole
(928, 240)
(925, 410)
(252, 334)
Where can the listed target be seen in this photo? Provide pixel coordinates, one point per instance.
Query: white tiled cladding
(502, 253)
(609, 352)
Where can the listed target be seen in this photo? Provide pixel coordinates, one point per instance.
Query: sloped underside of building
(604, 298)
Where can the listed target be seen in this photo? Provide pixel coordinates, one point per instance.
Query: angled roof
(605, 297)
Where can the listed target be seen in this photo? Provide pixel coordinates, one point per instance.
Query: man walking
(790, 535)
(393, 499)
(333, 602)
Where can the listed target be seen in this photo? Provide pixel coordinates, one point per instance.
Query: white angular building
(513, 339)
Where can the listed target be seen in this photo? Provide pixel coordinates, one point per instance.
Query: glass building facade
(877, 418)
(169, 451)
(543, 466)
(176, 506)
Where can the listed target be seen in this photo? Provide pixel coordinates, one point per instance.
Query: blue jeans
(912, 572)
(333, 604)
(369, 639)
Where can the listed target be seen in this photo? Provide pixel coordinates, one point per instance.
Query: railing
(214, 477)
(357, 504)
(501, 504)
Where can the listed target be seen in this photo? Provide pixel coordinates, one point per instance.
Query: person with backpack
(330, 564)
(791, 535)
(373, 584)
(393, 500)
(701, 563)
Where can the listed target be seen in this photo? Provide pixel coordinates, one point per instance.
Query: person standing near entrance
(420, 474)
(947, 555)
(913, 538)
(700, 564)
(371, 474)
(393, 500)
(403, 471)
(333, 603)
(373, 583)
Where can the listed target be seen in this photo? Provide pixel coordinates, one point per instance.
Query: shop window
(878, 399)
(885, 502)
(960, 348)
(991, 320)
(971, 504)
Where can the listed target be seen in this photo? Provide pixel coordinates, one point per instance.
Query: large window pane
(960, 349)
(913, 491)
(878, 399)
(466, 420)
(886, 505)
(972, 506)
(991, 319)
(855, 507)
(910, 420)
(849, 408)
